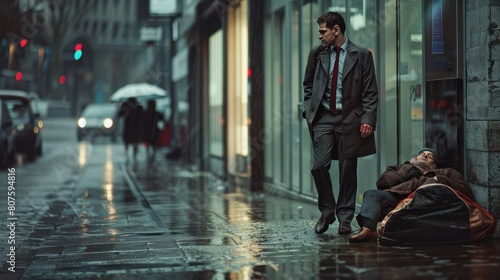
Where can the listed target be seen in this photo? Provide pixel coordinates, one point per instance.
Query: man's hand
(365, 130)
(414, 172)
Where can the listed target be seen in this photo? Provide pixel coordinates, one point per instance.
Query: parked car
(7, 137)
(98, 120)
(27, 122)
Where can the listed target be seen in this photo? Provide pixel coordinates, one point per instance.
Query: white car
(98, 120)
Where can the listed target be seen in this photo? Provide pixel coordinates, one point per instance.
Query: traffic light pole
(165, 11)
(74, 94)
(167, 81)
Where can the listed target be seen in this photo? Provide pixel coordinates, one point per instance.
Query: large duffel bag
(436, 213)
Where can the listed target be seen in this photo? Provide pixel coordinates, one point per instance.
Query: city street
(88, 211)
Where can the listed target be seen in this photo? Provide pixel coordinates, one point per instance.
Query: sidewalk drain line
(143, 201)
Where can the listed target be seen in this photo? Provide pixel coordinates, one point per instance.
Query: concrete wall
(482, 37)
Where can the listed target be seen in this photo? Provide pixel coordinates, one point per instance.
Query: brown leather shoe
(364, 235)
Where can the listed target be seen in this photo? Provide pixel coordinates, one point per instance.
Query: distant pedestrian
(132, 113)
(151, 129)
(340, 107)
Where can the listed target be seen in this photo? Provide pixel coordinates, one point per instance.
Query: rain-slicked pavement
(127, 219)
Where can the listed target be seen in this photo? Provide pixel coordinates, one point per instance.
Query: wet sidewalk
(135, 220)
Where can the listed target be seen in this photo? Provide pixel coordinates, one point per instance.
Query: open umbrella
(142, 91)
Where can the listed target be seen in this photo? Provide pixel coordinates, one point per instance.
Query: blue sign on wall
(437, 27)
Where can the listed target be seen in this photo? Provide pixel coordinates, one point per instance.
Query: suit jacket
(360, 95)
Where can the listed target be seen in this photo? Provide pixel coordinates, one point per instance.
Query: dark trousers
(326, 134)
(376, 205)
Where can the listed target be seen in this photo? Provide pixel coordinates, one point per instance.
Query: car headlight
(107, 122)
(82, 122)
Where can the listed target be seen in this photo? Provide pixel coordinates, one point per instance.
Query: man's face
(425, 156)
(328, 36)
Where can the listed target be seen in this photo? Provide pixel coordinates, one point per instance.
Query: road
(87, 211)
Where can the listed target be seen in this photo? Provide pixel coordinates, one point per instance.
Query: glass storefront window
(216, 94)
(362, 20)
(410, 78)
(238, 90)
(309, 30)
(396, 43)
(274, 97)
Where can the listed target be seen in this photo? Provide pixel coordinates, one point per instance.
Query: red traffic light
(62, 80)
(23, 43)
(19, 76)
(78, 47)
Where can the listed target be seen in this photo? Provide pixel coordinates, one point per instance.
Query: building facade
(108, 33)
(437, 71)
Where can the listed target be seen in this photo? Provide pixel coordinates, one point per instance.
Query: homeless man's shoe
(364, 235)
(323, 223)
(345, 228)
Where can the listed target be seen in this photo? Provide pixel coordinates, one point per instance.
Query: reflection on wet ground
(167, 221)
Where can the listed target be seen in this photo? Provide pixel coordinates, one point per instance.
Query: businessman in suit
(340, 107)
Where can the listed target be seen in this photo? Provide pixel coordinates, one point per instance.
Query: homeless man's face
(425, 158)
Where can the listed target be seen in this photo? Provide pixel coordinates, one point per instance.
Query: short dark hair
(331, 19)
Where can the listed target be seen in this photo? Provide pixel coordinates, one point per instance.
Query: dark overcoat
(360, 95)
(132, 114)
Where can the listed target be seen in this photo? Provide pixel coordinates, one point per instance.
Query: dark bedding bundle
(435, 213)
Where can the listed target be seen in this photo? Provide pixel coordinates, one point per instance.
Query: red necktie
(333, 89)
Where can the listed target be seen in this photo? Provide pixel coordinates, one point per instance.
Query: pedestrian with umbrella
(132, 113)
(140, 91)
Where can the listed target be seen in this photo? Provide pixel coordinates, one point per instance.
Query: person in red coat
(151, 131)
(396, 183)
